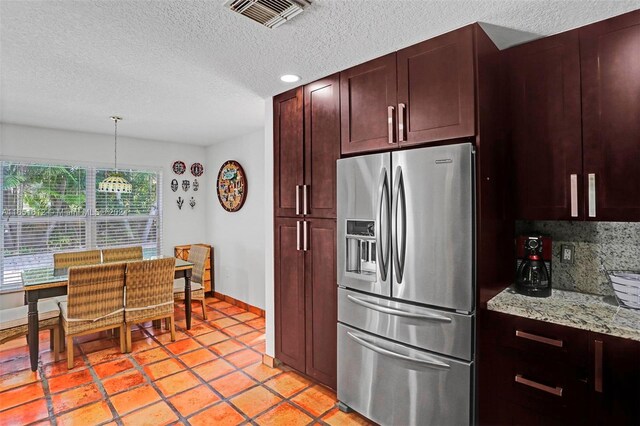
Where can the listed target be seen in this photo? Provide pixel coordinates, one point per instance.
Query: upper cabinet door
(368, 102)
(288, 151)
(610, 55)
(322, 146)
(544, 108)
(436, 89)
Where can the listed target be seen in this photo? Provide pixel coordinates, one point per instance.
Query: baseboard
(239, 304)
(270, 361)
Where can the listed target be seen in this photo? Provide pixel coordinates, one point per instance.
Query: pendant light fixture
(115, 182)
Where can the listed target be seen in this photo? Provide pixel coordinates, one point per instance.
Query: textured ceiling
(193, 72)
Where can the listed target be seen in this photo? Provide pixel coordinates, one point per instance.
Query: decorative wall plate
(195, 185)
(185, 185)
(197, 169)
(231, 186)
(174, 185)
(178, 167)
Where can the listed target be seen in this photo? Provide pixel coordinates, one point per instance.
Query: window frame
(90, 218)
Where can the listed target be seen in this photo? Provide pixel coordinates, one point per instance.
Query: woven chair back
(77, 258)
(149, 289)
(198, 256)
(96, 293)
(122, 254)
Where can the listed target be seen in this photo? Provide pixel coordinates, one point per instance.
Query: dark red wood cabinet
(544, 95)
(288, 154)
(533, 372)
(368, 102)
(610, 65)
(306, 147)
(321, 146)
(424, 93)
(436, 88)
(573, 114)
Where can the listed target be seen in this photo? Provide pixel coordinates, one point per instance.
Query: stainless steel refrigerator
(406, 277)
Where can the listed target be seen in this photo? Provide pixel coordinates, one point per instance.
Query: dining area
(109, 290)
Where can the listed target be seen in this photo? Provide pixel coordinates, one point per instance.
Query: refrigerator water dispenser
(361, 247)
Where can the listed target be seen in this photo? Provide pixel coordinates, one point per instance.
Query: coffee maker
(533, 266)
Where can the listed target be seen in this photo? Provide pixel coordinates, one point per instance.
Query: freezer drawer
(438, 331)
(393, 384)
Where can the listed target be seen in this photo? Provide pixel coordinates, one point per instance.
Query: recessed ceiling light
(289, 78)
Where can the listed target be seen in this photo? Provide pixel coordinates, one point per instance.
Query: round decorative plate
(231, 186)
(178, 167)
(197, 169)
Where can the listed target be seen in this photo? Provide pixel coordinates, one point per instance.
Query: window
(52, 208)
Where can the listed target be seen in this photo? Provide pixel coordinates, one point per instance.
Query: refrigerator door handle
(397, 312)
(430, 362)
(382, 231)
(399, 230)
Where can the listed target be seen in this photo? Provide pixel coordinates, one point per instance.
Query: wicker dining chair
(76, 258)
(149, 294)
(14, 323)
(198, 256)
(122, 254)
(95, 303)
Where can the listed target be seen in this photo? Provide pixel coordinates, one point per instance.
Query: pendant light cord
(115, 146)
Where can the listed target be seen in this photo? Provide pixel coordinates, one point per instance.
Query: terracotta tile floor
(211, 375)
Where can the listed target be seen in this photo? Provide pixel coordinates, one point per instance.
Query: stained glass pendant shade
(115, 182)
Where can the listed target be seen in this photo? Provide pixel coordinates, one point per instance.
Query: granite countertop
(600, 314)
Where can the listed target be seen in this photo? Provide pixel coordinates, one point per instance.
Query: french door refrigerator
(406, 277)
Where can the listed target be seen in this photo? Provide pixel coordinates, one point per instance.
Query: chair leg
(172, 327)
(52, 335)
(204, 311)
(125, 338)
(55, 338)
(62, 339)
(69, 352)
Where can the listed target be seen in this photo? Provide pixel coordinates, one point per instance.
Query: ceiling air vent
(270, 13)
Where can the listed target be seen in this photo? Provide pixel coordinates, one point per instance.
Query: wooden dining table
(43, 282)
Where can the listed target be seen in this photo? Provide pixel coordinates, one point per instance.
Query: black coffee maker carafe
(533, 277)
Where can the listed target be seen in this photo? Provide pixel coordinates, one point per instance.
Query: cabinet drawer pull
(574, 195)
(598, 366)
(591, 177)
(298, 235)
(297, 199)
(391, 127)
(557, 391)
(539, 339)
(401, 110)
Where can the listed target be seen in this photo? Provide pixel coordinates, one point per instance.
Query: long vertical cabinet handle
(305, 235)
(297, 199)
(591, 177)
(399, 249)
(305, 199)
(390, 126)
(597, 382)
(382, 224)
(298, 235)
(401, 110)
(574, 195)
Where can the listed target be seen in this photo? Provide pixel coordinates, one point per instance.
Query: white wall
(179, 226)
(269, 308)
(238, 238)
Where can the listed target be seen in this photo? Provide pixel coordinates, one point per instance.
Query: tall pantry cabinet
(306, 147)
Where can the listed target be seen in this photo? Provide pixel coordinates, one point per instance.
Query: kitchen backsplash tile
(599, 246)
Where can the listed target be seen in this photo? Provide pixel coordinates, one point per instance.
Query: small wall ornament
(231, 186)
(180, 202)
(174, 185)
(195, 185)
(185, 185)
(178, 167)
(192, 202)
(197, 169)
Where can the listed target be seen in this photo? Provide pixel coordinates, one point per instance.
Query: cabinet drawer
(546, 341)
